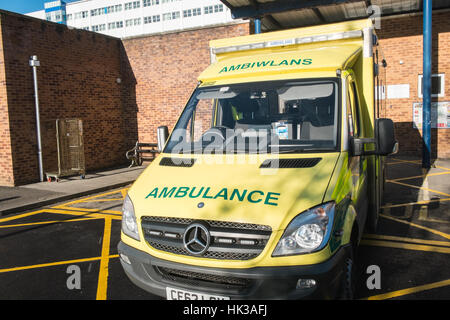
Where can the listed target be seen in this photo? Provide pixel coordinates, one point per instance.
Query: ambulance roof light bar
(288, 42)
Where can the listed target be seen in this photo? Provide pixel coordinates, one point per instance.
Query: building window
(69, 17)
(112, 9)
(137, 21)
(152, 19)
(100, 27)
(196, 12)
(171, 15)
(187, 13)
(81, 15)
(115, 25)
(148, 3)
(437, 85)
(98, 12)
(168, 1)
(208, 10)
(218, 8)
(132, 5)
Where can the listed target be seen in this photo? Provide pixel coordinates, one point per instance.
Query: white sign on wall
(398, 91)
(440, 115)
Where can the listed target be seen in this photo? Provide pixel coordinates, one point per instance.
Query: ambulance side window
(356, 108)
(351, 131)
(353, 111)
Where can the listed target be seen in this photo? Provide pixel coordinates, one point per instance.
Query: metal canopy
(282, 14)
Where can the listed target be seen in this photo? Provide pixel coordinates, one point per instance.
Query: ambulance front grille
(229, 240)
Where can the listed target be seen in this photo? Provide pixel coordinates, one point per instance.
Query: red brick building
(80, 72)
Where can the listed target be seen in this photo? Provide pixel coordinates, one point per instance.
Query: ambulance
(271, 174)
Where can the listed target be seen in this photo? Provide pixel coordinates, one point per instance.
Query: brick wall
(78, 76)
(166, 68)
(77, 79)
(401, 39)
(6, 170)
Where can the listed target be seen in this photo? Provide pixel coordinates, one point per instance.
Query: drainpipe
(257, 25)
(426, 79)
(34, 63)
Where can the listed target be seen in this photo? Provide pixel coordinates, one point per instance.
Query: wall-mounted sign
(440, 115)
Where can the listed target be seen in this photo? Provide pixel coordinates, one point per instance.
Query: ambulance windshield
(264, 117)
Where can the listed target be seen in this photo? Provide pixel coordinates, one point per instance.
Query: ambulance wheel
(372, 218)
(348, 278)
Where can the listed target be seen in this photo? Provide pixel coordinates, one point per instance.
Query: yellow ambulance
(271, 174)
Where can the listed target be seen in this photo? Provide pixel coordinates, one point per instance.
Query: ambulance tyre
(348, 282)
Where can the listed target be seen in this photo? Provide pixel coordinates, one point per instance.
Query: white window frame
(442, 89)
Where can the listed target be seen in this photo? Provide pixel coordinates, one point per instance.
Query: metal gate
(69, 136)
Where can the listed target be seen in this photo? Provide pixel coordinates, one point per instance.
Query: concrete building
(126, 18)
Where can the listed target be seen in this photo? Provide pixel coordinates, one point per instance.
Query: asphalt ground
(411, 248)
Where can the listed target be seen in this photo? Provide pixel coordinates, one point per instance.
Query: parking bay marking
(403, 292)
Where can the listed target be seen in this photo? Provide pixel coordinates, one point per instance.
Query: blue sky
(23, 6)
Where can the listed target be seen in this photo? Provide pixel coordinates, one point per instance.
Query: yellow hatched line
(414, 203)
(114, 212)
(21, 216)
(94, 197)
(421, 176)
(412, 240)
(83, 213)
(398, 161)
(124, 192)
(45, 222)
(442, 234)
(104, 200)
(417, 187)
(102, 286)
(406, 246)
(51, 264)
(399, 293)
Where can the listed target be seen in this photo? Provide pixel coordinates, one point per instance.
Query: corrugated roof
(280, 14)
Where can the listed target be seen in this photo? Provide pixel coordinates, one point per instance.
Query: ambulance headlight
(129, 225)
(308, 232)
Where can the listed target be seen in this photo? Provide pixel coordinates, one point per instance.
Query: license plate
(176, 294)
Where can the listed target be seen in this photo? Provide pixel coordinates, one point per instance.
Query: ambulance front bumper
(156, 275)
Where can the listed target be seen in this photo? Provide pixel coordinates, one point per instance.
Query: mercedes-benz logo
(196, 239)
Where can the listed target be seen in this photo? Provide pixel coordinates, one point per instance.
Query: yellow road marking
(124, 192)
(87, 214)
(115, 212)
(414, 203)
(102, 286)
(44, 222)
(421, 176)
(51, 264)
(412, 240)
(21, 216)
(399, 161)
(103, 200)
(93, 197)
(403, 292)
(442, 234)
(417, 187)
(407, 246)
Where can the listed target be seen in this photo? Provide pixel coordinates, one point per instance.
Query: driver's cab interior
(291, 119)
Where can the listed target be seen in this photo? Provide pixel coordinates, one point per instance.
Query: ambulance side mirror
(386, 137)
(162, 134)
(385, 140)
